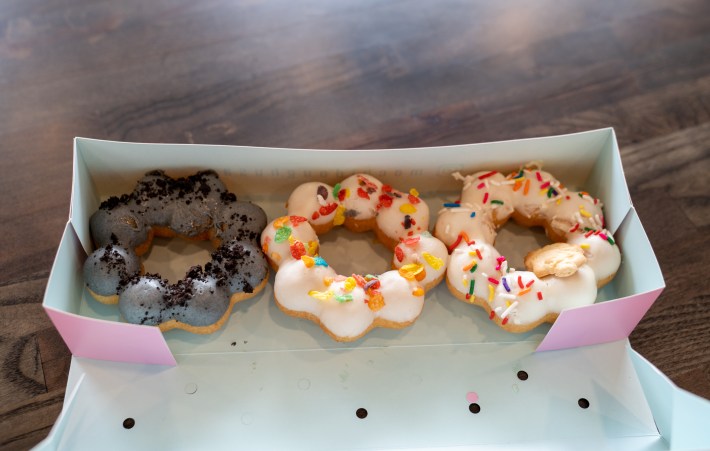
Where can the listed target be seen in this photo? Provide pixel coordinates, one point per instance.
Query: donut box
(453, 379)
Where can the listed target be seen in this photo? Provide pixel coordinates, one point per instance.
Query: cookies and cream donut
(347, 307)
(562, 275)
(198, 207)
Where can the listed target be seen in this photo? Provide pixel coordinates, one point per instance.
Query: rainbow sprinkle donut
(347, 307)
(562, 275)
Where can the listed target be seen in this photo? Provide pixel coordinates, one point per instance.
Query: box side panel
(608, 183)
(639, 271)
(66, 282)
(681, 417)
(312, 400)
(53, 440)
(115, 166)
(85, 198)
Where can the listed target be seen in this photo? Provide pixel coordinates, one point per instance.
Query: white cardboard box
(278, 382)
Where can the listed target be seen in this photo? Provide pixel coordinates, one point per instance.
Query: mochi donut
(348, 307)
(198, 207)
(562, 275)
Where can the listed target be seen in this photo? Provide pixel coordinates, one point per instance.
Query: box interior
(103, 168)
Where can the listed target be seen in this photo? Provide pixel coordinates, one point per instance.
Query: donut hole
(515, 242)
(173, 257)
(354, 253)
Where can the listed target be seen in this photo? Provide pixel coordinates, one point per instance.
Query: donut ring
(348, 307)
(562, 275)
(198, 207)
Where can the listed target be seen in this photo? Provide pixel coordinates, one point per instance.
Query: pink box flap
(108, 340)
(598, 323)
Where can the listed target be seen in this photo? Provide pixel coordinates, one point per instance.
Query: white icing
(475, 194)
(601, 257)
(277, 252)
(401, 306)
(294, 281)
(426, 251)
(534, 203)
(452, 222)
(391, 220)
(575, 216)
(462, 257)
(304, 201)
(346, 319)
(363, 207)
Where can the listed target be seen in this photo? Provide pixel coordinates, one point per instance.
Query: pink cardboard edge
(598, 323)
(108, 340)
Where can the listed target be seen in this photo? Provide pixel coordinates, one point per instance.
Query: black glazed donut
(198, 207)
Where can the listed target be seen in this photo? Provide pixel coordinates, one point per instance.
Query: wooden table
(348, 74)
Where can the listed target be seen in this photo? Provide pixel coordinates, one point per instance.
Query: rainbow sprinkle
(321, 295)
(505, 285)
(344, 298)
(471, 286)
(282, 234)
(433, 261)
(471, 266)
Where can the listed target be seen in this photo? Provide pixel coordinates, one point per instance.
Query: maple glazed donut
(347, 307)
(562, 275)
(198, 207)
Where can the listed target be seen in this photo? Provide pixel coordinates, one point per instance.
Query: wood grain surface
(348, 74)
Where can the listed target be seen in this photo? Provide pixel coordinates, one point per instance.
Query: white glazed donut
(562, 275)
(347, 307)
